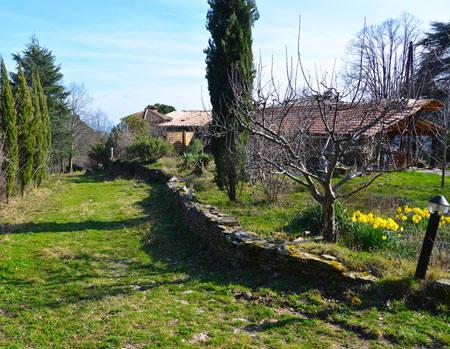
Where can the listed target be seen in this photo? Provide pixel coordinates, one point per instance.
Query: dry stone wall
(228, 239)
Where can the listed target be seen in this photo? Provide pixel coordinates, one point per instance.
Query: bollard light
(437, 206)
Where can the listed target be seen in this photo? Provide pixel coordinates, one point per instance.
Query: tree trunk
(444, 163)
(433, 153)
(232, 187)
(329, 224)
(70, 163)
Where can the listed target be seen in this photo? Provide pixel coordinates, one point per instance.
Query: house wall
(179, 139)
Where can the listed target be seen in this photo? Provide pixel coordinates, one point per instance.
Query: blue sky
(131, 53)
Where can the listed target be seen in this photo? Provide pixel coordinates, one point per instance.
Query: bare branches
(308, 133)
(383, 58)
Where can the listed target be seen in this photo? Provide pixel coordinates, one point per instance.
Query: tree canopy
(38, 59)
(9, 131)
(229, 53)
(433, 77)
(162, 108)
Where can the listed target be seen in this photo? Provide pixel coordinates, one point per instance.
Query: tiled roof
(188, 118)
(147, 114)
(344, 119)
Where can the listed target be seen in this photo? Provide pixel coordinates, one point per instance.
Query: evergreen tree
(162, 108)
(39, 133)
(25, 125)
(433, 77)
(36, 58)
(8, 128)
(229, 53)
(46, 133)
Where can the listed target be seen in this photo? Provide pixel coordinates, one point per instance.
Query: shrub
(148, 149)
(188, 160)
(196, 147)
(311, 219)
(353, 234)
(99, 154)
(364, 236)
(195, 158)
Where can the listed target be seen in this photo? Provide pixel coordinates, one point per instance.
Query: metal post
(191, 192)
(427, 246)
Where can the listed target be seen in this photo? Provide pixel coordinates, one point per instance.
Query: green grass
(280, 220)
(382, 197)
(89, 262)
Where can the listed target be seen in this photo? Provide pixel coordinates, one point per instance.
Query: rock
(199, 337)
(442, 289)
(330, 258)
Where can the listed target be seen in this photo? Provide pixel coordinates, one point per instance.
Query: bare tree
(313, 126)
(258, 171)
(384, 58)
(78, 102)
(99, 121)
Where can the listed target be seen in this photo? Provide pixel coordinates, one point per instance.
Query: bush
(355, 235)
(195, 158)
(99, 154)
(188, 160)
(196, 147)
(148, 149)
(363, 236)
(311, 220)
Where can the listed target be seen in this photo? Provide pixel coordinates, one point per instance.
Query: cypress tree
(38, 131)
(8, 128)
(229, 52)
(26, 137)
(46, 133)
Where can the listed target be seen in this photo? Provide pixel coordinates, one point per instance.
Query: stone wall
(231, 241)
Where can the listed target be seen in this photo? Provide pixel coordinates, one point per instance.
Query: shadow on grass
(173, 249)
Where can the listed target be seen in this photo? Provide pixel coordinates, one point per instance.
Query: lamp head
(438, 204)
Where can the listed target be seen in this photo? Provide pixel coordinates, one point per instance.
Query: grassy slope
(92, 263)
(382, 197)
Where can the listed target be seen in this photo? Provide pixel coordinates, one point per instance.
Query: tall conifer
(37, 58)
(26, 137)
(38, 131)
(8, 128)
(229, 52)
(46, 132)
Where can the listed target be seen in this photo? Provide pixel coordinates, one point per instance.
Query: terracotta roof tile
(189, 118)
(146, 114)
(309, 118)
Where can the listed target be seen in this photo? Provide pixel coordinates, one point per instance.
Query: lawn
(89, 261)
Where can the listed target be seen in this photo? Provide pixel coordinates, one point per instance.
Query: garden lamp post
(437, 207)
